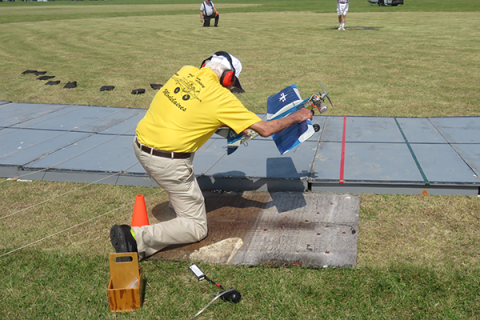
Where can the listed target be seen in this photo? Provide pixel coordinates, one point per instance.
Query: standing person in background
(207, 12)
(342, 9)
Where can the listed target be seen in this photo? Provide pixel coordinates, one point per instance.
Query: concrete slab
(80, 118)
(326, 166)
(20, 147)
(459, 129)
(332, 130)
(470, 154)
(420, 130)
(128, 125)
(372, 129)
(361, 129)
(98, 153)
(368, 162)
(281, 228)
(16, 113)
(443, 165)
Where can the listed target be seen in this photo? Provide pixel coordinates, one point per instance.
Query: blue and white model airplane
(280, 105)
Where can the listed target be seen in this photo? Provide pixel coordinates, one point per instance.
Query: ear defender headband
(228, 76)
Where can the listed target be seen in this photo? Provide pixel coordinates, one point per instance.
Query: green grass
(418, 256)
(48, 285)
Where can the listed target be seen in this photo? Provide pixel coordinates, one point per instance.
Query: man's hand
(304, 114)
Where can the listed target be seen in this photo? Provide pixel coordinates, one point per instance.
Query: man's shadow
(235, 213)
(281, 176)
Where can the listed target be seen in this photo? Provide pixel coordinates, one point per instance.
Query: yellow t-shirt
(188, 110)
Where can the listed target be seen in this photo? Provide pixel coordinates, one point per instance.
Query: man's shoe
(339, 28)
(122, 239)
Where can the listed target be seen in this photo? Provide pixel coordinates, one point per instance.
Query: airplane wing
(234, 140)
(279, 105)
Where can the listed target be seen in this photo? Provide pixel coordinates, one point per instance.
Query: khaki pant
(177, 178)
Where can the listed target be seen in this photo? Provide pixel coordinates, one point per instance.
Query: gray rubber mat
(91, 144)
(277, 228)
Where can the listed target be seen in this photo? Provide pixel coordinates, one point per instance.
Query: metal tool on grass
(230, 295)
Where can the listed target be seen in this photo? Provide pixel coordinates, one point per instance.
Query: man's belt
(161, 153)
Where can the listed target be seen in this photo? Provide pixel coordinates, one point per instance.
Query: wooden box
(126, 285)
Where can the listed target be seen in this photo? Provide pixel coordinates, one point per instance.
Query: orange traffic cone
(140, 217)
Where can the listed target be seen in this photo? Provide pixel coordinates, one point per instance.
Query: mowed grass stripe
(417, 66)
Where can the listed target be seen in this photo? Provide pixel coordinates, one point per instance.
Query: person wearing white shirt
(207, 12)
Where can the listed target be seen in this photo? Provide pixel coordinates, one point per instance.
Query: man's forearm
(267, 128)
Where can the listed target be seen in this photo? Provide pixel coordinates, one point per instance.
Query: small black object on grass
(70, 85)
(40, 73)
(107, 88)
(138, 91)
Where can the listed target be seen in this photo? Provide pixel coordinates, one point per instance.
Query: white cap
(237, 65)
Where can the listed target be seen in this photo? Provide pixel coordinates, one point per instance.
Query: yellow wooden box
(126, 285)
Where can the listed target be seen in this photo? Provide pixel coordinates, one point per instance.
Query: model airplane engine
(317, 103)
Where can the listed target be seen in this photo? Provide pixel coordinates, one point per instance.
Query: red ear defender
(228, 78)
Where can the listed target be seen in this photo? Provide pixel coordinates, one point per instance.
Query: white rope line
(74, 226)
(133, 99)
(60, 195)
(49, 236)
(320, 141)
(96, 99)
(218, 296)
